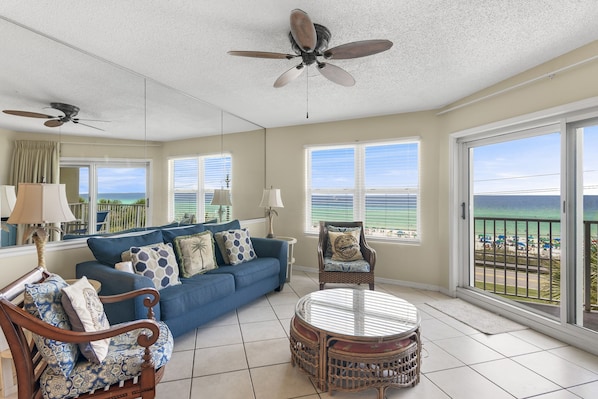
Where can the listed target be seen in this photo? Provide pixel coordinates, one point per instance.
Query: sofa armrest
(273, 248)
(116, 282)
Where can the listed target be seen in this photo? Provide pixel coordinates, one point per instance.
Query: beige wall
(426, 264)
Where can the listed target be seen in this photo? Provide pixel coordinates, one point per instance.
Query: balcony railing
(121, 216)
(521, 258)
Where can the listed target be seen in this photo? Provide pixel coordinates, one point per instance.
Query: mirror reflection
(115, 147)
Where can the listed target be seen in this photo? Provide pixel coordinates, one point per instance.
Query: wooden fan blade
(357, 49)
(262, 54)
(27, 114)
(303, 30)
(85, 124)
(336, 74)
(289, 75)
(53, 123)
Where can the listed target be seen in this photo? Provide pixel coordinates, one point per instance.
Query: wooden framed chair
(345, 272)
(142, 346)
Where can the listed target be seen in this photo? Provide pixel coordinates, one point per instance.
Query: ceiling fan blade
(357, 49)
(53, 123)
(262, 54)
(303, 30)
(85, 124)
(289, 75)
(27, 114)
(336, 74)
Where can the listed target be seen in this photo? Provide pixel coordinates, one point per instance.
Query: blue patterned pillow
(43, 301)
(158, 263)
(238, 246)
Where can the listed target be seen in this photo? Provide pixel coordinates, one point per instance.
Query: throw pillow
(238, 246)
(221, 247)
(86, 313)
(158, 263)
(43, 300)
(328, 251)
(345, 245)
(195, 253)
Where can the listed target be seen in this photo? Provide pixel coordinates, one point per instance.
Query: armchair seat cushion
(123, 362)
(360, 266)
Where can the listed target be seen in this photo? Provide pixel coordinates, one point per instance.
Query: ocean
(124, 198)
(528, 206)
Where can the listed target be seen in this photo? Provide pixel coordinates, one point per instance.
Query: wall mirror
(136, 115)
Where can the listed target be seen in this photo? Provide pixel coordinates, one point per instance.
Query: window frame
(359, 191)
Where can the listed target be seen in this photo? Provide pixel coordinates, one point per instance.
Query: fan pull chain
(307, 93)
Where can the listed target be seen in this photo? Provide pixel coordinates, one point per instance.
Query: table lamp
(38, 205)
(271, 199)
(222, 198)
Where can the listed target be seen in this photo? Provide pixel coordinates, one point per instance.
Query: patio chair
(354, 260)
(134, 361)
(81, 228)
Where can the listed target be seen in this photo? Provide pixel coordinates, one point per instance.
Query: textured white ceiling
(443, 50)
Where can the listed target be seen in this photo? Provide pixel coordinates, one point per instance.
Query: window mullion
(359, 188)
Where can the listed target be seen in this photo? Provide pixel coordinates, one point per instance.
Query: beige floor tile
(536, 338)
(224, 320)
(219, 359)
(424, 390)
(515, 379)
(468, 350)
(280, 382)
(284, 311)
(506, 344)
(286, 324)
(185, 342)
(262, 330)
(180, 366)
(556, 369)
(459, 326)
(267, 353)
(465, 383)
(283, 298)
(579, 357)
(218, 336)
(174, 389)
(253, 314)
(233, 385)
(586, 391)
(434, 359)
(561, 394)
(434, 329)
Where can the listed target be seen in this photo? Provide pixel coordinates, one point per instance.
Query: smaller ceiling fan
(69, 111)
(310, 41)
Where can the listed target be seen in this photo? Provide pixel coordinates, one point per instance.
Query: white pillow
(86, 313)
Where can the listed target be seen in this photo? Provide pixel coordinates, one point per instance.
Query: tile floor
(245, 355)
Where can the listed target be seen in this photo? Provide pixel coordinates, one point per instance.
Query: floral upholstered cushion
(342, 266)
(86, 313)
(43, 300)
(238, 246)
(122, 363)
(195, 253)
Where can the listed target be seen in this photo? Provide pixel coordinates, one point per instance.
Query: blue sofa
(200, 298)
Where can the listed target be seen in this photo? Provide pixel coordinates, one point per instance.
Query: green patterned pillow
(195, 253)
(43, 300)
(238, 246)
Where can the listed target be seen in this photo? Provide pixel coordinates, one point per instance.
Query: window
(193, 181)
(377, 183)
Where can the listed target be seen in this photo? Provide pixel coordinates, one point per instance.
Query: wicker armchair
(328, 274)
(134, 365)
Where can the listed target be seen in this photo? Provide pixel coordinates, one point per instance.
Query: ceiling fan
(310, 42)
(69, 111)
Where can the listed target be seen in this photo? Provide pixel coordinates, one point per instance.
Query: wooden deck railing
(121, 216)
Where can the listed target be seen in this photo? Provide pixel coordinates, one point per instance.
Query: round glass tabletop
(358, 313)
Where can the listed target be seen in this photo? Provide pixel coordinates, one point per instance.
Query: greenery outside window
(192, 184)
(377, 183)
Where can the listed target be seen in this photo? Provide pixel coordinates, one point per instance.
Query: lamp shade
(221, 197)
(40, 203)
(271, 199)
(8, 198)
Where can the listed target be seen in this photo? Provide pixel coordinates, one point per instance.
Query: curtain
(35, 162)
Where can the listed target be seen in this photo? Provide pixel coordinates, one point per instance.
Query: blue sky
(531, 166)
(115, 180)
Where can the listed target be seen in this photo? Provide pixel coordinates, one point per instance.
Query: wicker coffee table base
(343, 364)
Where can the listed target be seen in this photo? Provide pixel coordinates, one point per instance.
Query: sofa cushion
(108, 250)
(248, 273)
(195, 253)
(194, 292)
(43, 300)
(158, 263)
(239, 248)
(171, 233)
(217, 227)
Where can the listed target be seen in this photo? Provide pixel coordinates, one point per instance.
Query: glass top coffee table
(359, 339)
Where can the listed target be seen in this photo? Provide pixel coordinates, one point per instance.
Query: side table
(291, 258)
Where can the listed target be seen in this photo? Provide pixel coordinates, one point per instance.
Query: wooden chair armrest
(369, 254)
(148, 302)
(46, 330)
